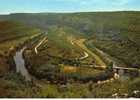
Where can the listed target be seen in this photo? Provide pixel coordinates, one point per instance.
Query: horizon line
(61, 12)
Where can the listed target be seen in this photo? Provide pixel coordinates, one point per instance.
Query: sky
(36, 6)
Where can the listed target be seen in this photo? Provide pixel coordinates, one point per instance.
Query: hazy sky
(12, 6)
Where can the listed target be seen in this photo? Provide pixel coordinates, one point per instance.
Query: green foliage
(12, 30)
(116, 33)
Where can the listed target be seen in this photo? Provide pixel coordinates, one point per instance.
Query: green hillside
(12, 35)
(116, 33)
(57, 70)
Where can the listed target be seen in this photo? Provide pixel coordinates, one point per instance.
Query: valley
(80, 55)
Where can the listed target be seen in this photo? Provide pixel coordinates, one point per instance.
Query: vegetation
(12, 35)
(13, 85)
(57, 70)
(116, 33)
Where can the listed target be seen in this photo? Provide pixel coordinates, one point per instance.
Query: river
(20, 64)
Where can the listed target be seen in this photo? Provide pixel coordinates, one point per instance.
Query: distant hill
(116, 33)
(10, 30)
(13, 33)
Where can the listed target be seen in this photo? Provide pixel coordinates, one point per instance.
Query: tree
(110, 66)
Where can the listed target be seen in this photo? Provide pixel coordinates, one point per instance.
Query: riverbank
(7, 51)
(20, 64)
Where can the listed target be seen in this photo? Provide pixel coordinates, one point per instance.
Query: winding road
(99, 61)
(86, 55)
(39, 44)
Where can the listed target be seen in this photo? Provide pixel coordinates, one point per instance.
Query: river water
(20, 64)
